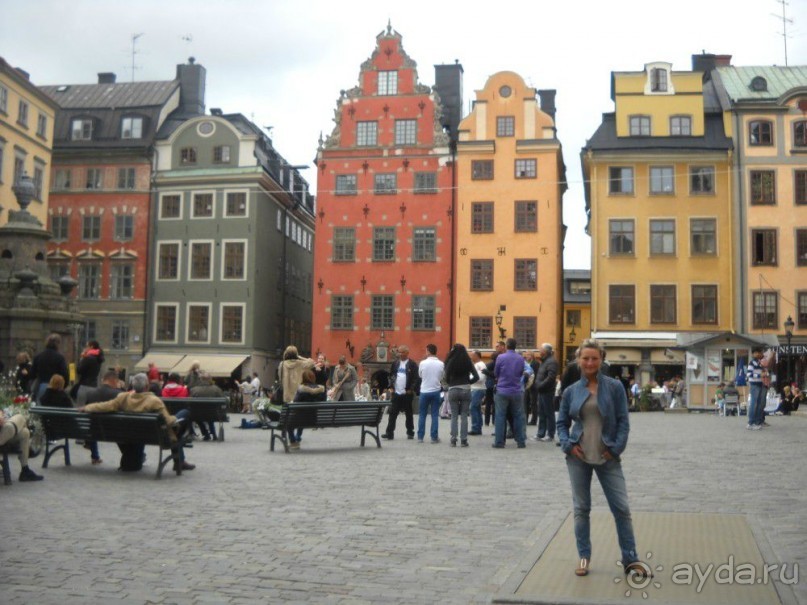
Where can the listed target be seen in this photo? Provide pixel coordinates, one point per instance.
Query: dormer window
(681, 126)
(131, 128)
(658, 80)
(640, 126)
(759, 84)
(81, 130)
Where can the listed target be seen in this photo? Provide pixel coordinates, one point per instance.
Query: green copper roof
(780, 80)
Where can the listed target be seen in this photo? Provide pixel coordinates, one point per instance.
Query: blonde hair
(591, 343)
(23, 357)
(56, 382)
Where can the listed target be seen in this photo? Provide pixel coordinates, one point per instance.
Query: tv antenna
(134, 52)
(785, 21)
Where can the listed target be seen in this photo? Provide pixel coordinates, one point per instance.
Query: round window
(206, 128)
(505, 91)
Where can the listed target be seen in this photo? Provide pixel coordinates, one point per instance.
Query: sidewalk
(336, 523)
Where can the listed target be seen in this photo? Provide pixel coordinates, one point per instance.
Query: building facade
(384, 221)
(576, 310)
(509, 223)
(26, 140)
(231, 251)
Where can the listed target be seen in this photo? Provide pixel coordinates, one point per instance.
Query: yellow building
(659, 192)
(26, 139)
(508, 218)
(576, 311)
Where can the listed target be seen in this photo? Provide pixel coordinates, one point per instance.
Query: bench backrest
(202, 409)
(119, 427)
(332, 414)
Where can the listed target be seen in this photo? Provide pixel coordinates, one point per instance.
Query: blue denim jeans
(514, 406)
(613, 486)
(546, 414)
(295, 435)
(428, 403)
(477, 397)
(756, 409)
(460, 402)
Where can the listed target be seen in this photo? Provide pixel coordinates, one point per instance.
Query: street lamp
(499, 318)
(789, 325)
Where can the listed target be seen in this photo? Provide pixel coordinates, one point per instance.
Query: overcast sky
(282, 63)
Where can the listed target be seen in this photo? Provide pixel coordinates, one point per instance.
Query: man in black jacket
(403, 381)
(131, 454)
(545, 385)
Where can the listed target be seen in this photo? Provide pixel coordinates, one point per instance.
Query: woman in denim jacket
(598, 406)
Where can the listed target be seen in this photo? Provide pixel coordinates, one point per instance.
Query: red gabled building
(383, 255)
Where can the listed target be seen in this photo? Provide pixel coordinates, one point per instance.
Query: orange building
(383, 251)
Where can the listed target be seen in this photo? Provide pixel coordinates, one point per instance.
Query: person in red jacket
(174, 387)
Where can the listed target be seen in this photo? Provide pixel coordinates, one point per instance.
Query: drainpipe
(151, 232)
(741, 256)
(451, 293)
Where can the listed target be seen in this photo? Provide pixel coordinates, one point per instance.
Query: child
(719, 400)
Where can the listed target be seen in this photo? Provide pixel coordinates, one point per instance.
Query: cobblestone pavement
(335, 523)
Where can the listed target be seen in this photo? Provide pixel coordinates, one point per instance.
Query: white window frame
(193, 203)
(246, 210)
(243, 322)
(188, 322)
(82, 121)
(4, 99)
(224, 243)
(157, 260)
(390, 83)
(212, 244)
(181, 206)
(176, 322)
(42, 125)
(114, 266)
(131, 120)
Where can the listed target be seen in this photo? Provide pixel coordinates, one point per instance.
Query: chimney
(191, 87)
(706, 62)
(106, 77)
(547, 98)
(448, 83)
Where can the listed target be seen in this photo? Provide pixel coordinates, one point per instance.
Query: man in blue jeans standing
(431, 372)
(509, 397)
(756, 409)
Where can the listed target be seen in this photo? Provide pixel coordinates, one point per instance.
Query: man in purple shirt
(509, 397)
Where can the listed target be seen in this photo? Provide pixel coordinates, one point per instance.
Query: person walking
(403, 382)
(47, 363)
(598, 406)
(478, 390)
(545, 385)
(431, 374)
(345, 379)
(460, 372)
(509, 397)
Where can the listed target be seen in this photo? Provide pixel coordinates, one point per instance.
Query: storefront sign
(791, 350)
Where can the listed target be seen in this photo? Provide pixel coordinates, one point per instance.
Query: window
(386, 183)
(763, 247)
(59, 226)
(236, 203)
(526, 217)
(126, 178)
(424, 244)
(526, 274)
(202, 205)
(124, 227)
(91, 228)
(89, 280)
(621, 237)
(95, 178)
(423, 312)
(703, 235)
(662, 304)
(42, 125)
(620, 180)
(701, 179)
(165, 329)
(525, 331)
(766, 311)
(662, 236)
(658, 80)
(88, 331)
(662, 179)
(168, 260)
(640, 126)
(760, 133)
(121, 281)
(681, 126)
(58, 270)
(801, 187)
(232, 324)
(387, 82)
(81, 130)
(198, 323)
(526, 169)
(4, 100)
(2, 152)
(201, 261)
(425, 182)
(406, 132)
(221, 154)
(120, 335)
(382, 310)
(366, 134)
(482, 275)
(580, 287)
(19, 166)
(704, 304)
(62, 179)
(131, 128)
(345, 184)
(481, 217)
(801, 247)
(171, 206)
(39, 178)
(481, 329)
(800, 134)
(622, 304)
(574, 317)
(801, 312)
(22, 115)
(383, 244)
(481, 170)
(763, 187)
(341, 312)
(505, 126)
(234, 260)
(344, 244)
(187, 155)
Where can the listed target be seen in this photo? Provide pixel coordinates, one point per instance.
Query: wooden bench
(117, 427)
(327, 414)
(202, 409)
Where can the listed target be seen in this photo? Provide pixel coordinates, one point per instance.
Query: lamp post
(499, 318)
(789, 325)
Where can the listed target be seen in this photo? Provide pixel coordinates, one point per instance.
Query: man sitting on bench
(140, 400)
(16, 429)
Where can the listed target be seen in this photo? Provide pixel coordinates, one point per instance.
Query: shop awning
(165, 362)
(666, 357)
(218, 366)
(623, 356)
